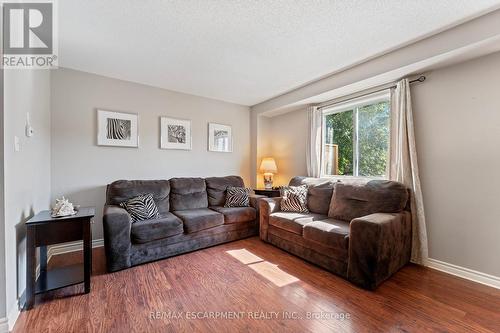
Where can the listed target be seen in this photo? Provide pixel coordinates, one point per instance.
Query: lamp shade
(268, 165)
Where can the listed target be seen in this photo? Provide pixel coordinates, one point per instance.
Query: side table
(271, 193)
(43, 230)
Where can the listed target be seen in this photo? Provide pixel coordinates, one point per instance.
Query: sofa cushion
(150, 230)
(122, 190)
(293, 222)
(319, 198)
(320, 190)
(188, 193)
(319, 193)
(377, 196)
(216, 188)
(328, 232)
(236, 214)
(199, 219)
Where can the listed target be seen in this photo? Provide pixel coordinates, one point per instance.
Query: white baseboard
(7, 324)
(4, 325)
(465, 273)
(71, 247)
(67, 248)
(13, 315)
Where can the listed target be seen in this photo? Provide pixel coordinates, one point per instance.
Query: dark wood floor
(251, 276)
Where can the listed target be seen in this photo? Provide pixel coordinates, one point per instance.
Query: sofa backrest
(188, 193)
(320, 190)
(377, 196)
(122, 190)
(216, 188)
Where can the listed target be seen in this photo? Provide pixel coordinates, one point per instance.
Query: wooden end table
(271, 193)
(43, 230)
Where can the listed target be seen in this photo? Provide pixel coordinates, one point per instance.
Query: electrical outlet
(29, 129)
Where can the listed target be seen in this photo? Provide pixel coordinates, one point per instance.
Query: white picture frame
(220, 138)
(118, 129)
(175, 133)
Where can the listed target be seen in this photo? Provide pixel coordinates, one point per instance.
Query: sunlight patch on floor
(273, 273)
(264, 268)
(244, 256)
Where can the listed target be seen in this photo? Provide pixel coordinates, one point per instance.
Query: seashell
(63, 208)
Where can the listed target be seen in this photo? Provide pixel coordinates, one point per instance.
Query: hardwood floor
(259, 286)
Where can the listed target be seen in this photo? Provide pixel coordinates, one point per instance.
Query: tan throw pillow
(294, 199)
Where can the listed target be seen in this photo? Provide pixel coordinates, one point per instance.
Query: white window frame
(354, 105)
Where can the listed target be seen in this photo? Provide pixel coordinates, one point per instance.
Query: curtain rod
(327, 104)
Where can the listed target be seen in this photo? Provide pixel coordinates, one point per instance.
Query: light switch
(17, 146)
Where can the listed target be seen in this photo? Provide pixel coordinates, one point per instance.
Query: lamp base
(268, 181)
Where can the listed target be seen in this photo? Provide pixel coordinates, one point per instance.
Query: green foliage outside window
(373, 138)
(340, 131)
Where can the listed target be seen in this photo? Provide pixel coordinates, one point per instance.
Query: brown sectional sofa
(192, 217)
(358, 229)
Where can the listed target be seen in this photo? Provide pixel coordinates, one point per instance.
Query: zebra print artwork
(294, 199)
(221, 134)
(176, 134)
(237, 197)
(220, 138)
(142, 207)
(118, 129)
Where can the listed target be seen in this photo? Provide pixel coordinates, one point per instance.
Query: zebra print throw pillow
(294, 199)
(141, 208)
(237, 197)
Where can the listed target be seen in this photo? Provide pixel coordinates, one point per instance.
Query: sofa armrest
(116, 227)
(267, 207)
(254, 201)
(379, 245)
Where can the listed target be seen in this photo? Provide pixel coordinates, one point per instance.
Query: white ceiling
(243, 51)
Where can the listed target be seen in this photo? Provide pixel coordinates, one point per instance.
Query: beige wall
(3, 307)
(282, 137)
(457, 123)
(289, 133)
(264, 145)
(457, 119)
(81, 169)
(27, 172)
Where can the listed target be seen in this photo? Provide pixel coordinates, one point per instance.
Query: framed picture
(175, 133)
(117, 129)
(220, 138)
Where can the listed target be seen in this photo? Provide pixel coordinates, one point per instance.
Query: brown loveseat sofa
(192, 216)
(358, 229)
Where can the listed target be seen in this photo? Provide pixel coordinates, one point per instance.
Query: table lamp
(268, 168)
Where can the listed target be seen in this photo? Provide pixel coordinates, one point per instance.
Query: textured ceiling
(242, 51)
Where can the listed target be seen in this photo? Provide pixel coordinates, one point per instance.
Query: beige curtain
(313, 150)
(403, 165)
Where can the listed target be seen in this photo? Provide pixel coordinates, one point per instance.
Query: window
(356, 137)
